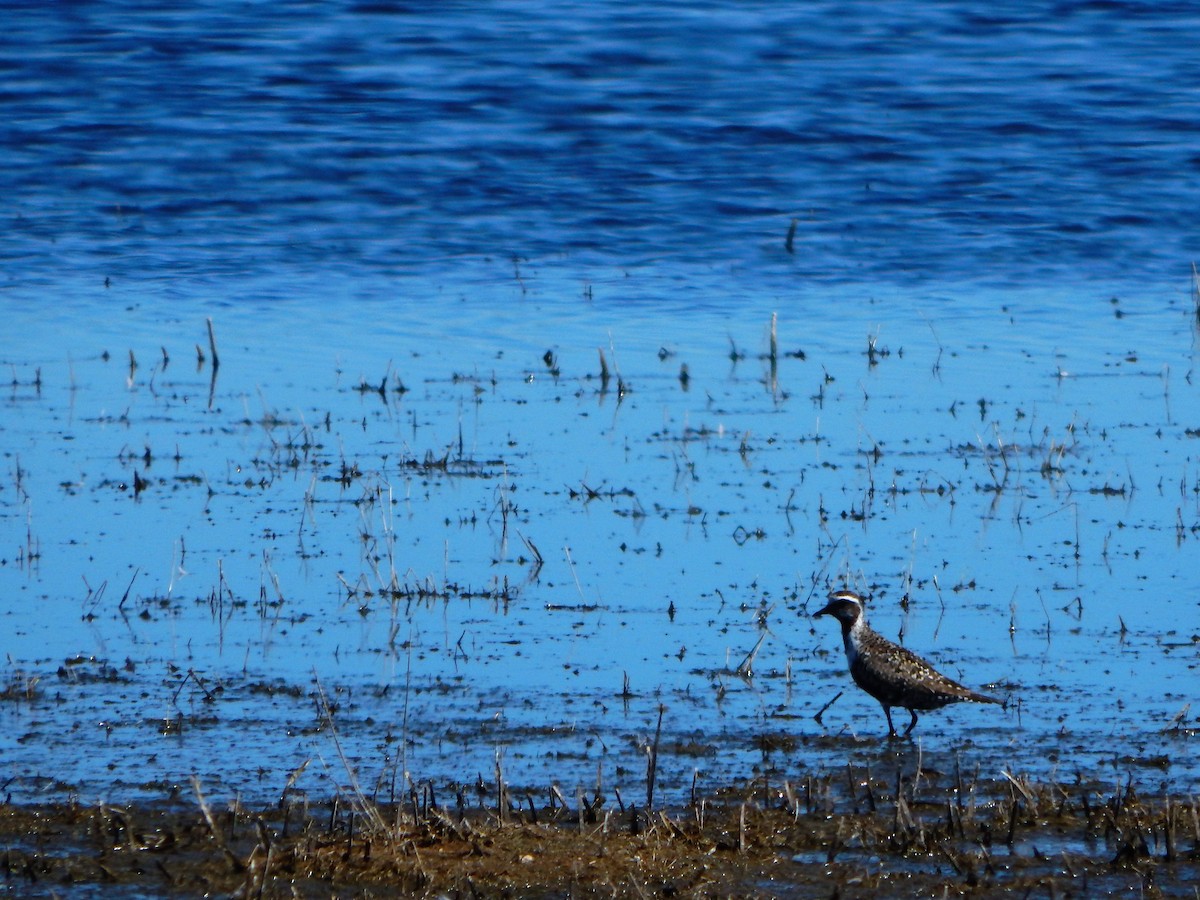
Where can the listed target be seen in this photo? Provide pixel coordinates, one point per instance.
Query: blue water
(931, 144)
(984, 394)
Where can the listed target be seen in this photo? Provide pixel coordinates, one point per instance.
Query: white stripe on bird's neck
(852, 638)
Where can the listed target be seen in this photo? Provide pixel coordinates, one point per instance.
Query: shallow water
(302, 533)
(983, 397)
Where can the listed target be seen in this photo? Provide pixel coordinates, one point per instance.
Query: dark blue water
(937, 143)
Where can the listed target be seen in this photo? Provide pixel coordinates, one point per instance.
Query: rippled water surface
(931, 143)
(500, 460)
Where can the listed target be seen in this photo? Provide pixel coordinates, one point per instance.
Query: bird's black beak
(823, 611)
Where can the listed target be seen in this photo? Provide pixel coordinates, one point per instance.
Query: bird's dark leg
(887, 711)
(912, 724)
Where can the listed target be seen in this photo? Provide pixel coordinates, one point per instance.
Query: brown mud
(847, 834)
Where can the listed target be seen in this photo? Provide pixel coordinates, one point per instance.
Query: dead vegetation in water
(849, 833)
(840, 834)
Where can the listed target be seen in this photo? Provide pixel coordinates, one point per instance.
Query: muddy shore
(850, 833)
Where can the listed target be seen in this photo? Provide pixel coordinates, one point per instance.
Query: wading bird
(888, 672)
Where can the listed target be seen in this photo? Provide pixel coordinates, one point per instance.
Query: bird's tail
(984, 698)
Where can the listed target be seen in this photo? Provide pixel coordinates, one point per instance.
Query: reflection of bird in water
(888, 672)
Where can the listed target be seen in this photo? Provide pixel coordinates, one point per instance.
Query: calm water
(984, 394)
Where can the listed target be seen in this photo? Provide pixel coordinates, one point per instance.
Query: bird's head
(845, 606)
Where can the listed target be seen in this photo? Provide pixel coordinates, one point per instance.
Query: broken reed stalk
(125, 596)
(212, 345)
(215, 829)
(267, 848)
(1168, 832)
(556, 794)
(368, 809)
(745, 668)
(652, 763)
(821, 711)
(500, 802)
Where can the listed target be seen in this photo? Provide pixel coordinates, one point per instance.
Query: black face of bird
(845, 606)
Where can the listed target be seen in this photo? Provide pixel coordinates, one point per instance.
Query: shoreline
(926, 833)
